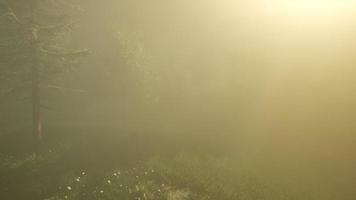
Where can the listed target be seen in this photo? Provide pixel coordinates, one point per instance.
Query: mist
(259, 92)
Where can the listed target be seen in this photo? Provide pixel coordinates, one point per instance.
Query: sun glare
(311, 7)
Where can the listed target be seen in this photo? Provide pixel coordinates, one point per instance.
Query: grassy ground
(182, 177)
(135, 167)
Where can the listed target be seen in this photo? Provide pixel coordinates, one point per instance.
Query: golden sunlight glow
(311, 7)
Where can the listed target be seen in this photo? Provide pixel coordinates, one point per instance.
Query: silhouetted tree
(35, 46)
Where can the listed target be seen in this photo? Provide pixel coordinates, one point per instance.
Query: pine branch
(12, 16)
(56, 26)
(7, 75)
(13, 90)
(71, 53)
(60, 88)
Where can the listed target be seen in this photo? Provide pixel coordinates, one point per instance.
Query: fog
(241, 67)
(269, 84)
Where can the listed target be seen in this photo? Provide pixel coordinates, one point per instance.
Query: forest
(177, 100)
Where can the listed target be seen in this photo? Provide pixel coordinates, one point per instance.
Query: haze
(265, 86)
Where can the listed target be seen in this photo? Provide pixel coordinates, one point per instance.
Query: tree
(34, 48)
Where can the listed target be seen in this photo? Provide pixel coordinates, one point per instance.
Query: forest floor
(128, 167)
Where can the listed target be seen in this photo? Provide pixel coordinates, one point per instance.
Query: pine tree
(35, 47)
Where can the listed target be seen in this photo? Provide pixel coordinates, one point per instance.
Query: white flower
(83, 173)
(153, 171)
(101, 191)
(115, 174)
(109, 181)
(78, 179)
(69, 188)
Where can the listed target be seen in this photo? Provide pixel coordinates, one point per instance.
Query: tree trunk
(36, 105)
(36, 98)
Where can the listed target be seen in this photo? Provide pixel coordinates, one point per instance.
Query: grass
(183, 177)
(138, 168)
